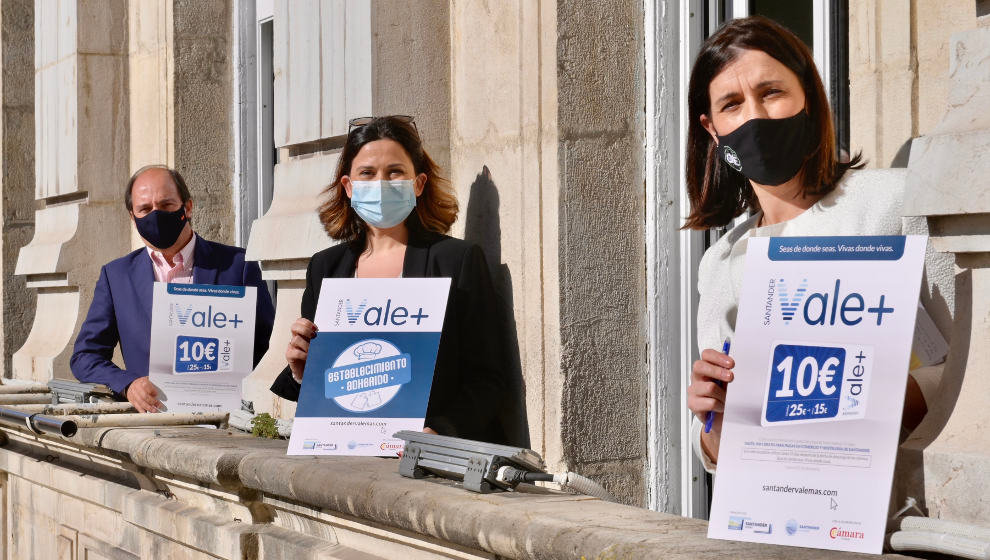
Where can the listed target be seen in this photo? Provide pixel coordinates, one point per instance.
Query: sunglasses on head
(358, 122)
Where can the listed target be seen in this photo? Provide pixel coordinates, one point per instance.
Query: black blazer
(469, 382)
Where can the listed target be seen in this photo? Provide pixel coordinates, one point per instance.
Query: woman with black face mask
(761, 140)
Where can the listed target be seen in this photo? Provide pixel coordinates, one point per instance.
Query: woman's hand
(705, 395)
(303, 330)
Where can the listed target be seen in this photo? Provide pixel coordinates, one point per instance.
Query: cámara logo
(837, 533)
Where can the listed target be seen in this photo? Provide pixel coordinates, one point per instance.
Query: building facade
(559, 123)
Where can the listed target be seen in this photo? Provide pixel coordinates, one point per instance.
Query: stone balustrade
(195, 492)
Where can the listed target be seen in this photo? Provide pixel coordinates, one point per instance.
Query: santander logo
(837, 533)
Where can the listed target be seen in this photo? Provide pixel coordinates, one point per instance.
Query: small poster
(370, 368)
(202, 345)
(809, 438)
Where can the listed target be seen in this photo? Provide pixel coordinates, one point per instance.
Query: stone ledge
(536, 524)
(202, 454)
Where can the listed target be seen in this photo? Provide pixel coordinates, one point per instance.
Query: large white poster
(202, 345)
(369, 370)
(823, 342)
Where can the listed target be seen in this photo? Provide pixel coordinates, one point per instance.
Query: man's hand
(143, 395)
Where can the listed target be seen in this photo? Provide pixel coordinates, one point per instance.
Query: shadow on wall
(481, 226)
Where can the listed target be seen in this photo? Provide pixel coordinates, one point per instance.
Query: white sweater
(866, 202)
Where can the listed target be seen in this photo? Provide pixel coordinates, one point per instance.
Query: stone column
(81, 147)
(947, 183)
(179, 84)
(17, 165)
(201, 72)
(602, 244)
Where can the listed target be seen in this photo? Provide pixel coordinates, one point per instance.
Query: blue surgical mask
(383, 204)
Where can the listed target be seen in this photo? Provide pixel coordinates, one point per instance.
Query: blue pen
(711, 413)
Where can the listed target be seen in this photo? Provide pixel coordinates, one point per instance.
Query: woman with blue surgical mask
(391, 209)
(761, 140)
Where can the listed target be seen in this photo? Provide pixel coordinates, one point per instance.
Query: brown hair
(718, 194)
(436, 208)
(180, 184)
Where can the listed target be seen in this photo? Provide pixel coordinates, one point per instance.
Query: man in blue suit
(160, 206)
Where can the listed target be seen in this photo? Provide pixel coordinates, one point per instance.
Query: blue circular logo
(791, 527)
(367, 350)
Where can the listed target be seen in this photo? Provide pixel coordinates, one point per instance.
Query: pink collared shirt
(182, 271)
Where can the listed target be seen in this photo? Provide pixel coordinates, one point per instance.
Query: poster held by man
(202, 345)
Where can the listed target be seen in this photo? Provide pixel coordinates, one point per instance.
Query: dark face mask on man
(768, 151)
(161, 228)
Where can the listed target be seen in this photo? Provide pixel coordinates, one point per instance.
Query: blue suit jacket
(121, 311)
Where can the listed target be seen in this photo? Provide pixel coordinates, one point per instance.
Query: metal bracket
(29, 420)
(474, 476)
(408, 464)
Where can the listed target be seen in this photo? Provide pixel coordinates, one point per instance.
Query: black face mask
(161, 228)
(768, 151)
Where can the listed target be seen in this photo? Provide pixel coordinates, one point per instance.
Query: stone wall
(150, 87)
(946, 182)
(547, 159)
(898, 71)
(16, 170)
(503, 150)
(180, 77)
(202, 121)
(410, 54)
(601, 241)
